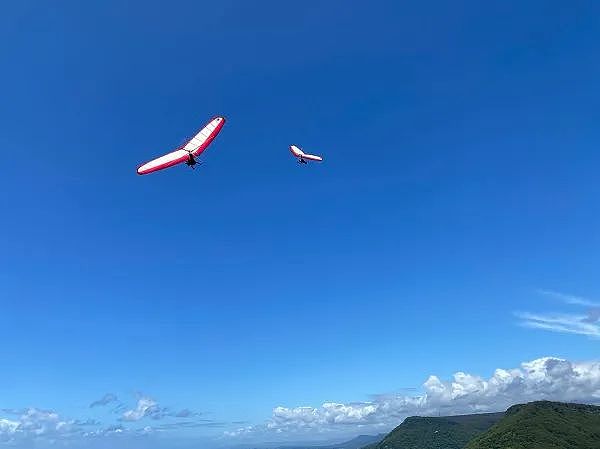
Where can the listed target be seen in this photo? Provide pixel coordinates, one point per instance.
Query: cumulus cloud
(545, 378)
(584, 322)
(22, 427)
(8, 429)
(36, 423)
(146, 407)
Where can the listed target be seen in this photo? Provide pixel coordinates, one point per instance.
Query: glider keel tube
(195, 146)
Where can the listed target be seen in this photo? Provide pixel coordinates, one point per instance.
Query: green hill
(450, 432)
(544, 425)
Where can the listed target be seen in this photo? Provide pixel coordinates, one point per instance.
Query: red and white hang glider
(188, 152)
(302, 156)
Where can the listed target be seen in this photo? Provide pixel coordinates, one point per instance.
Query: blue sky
(456, 209)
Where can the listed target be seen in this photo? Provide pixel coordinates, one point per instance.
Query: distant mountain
(355, 443)
(544, 425)
(358, 442)
(449, 432)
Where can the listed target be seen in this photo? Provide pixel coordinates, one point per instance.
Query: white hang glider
(302, 156)
(188, 152)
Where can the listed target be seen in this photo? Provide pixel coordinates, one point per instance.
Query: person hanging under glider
(302, 156)
(188, 152)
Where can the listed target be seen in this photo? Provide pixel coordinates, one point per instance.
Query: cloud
(185, 413)
(564, 323)
(8, 429)
(581, 323)
(190, 425)
(43, 422)
(35, 423)
(145, 407)
(25, 427)
(108, 398)
(570, 299)
(12, 411)
(116, 429)
(87, 422)
(593, 316)
(545, 378)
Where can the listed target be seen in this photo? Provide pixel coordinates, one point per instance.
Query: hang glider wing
(195, 146)
(297, 152)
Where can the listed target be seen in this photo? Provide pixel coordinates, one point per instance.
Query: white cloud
(41, 422)
(569, 323)
(23, 427)
(107, 431)
(145, 407)
(545, 378)
(564, 323)
(7, 429)
(8, 426)
(36, 423)
(570, 299)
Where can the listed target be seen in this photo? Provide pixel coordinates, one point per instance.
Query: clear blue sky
(460, 177)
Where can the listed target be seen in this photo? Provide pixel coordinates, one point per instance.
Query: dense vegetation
(437, 433)
(544, 425)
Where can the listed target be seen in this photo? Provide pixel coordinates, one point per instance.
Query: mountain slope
(358, 442)
(450, 432)
(544, 425)
(355, 443)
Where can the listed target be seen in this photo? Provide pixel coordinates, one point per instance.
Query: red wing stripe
(196, 145)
